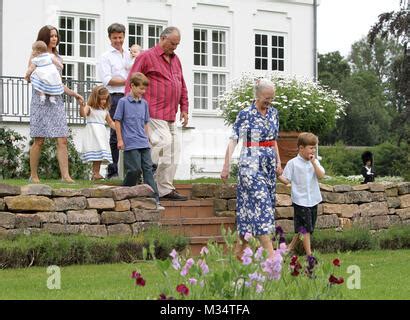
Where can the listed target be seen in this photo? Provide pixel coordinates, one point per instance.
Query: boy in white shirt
(303, 173)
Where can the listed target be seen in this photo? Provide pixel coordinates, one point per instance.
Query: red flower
(334, 280)
(336, 262)
(140, 282)
(182, 289)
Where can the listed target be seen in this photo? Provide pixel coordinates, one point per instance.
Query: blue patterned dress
(48, 120)
(256, 189)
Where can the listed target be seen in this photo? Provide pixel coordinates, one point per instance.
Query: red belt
(266, 143)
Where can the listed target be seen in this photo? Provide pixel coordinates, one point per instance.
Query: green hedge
(45, 249)
(327, 241)
(389, 159)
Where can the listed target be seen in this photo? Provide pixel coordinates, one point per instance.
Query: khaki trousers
(165, 153)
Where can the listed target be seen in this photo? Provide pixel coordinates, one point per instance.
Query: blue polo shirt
(133, 115)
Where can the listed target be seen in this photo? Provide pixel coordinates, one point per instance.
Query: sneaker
(174, 196)
(159, 207)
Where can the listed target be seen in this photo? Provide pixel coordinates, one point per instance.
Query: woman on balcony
(258, 126)
(48, 120)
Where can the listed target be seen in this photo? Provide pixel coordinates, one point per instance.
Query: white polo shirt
(305, 189)
(112, 64)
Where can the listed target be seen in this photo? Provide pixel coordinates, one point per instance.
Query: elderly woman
(258, 126)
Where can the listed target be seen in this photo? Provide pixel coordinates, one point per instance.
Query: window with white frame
(77, 46)
(145, 34)
(210, 67)
(269, 52)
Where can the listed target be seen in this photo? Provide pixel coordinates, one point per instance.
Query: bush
(10, 153)
(48, 165)
(397, 237)
(389, 159)
(43, 249)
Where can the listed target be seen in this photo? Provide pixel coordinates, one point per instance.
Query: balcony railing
(15, 97)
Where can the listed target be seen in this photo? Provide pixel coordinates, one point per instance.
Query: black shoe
(174, 196)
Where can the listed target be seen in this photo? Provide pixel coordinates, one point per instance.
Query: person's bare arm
(318, 170)
(283, 179)
(57, 62)
(228, 156)
(84, 110)
(110, 122)
(120, 142)
(30, 69)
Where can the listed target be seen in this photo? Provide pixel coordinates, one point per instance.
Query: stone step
(195, 227)
(188, 209)
(184, 189)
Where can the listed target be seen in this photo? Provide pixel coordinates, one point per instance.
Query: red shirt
(166, 87)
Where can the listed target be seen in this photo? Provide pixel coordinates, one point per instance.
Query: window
(77, 46)
(145, 34)
(210, 67)
(269, 52)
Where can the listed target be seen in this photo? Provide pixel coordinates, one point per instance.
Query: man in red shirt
(165, 92)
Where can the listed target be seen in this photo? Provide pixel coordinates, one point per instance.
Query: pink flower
(204, 267)
(140, 282)
(259, 288)
(248, 236)
(173, 254)
(193, 281)
(135, 275)
(190, 262)
(184, 271)
(259, 253)
(204, 251)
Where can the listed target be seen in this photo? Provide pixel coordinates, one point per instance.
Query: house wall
(204, 146)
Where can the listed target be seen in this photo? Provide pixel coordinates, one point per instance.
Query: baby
(43, 73)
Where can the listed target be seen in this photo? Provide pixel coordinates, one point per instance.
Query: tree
(333, 69)
(396, 25)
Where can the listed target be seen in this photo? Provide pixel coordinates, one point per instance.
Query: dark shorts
(304, 217)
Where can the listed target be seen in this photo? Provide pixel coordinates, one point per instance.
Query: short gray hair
(262, 84)
(169, 30)
(116, 27)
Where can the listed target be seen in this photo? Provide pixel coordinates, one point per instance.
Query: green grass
(384, 275)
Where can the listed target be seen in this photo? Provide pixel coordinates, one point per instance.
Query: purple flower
(258, 253)
(279, 231)
(175, 264)
(173, 254)
(184, 271)
(246, 260)
(189, 263)
(193, 281)
(204, 251)
(204, 267)
(248, 236)
(259, 288)
(248, 252)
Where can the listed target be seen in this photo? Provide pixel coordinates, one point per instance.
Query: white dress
(95, 143)
(46, 78)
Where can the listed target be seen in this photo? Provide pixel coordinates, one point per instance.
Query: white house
(220, 39)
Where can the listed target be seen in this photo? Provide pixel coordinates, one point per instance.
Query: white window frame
(75, 59)
(270, 48)
(145, 30)
(209, 69)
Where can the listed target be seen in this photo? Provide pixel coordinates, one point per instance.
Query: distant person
(166, 91)
(95, 143)
(135, 51)
(43, 73)
(131, 123)
(303, 172)
(113, 69)
(367, 169)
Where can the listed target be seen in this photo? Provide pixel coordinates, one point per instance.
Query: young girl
(95, 146)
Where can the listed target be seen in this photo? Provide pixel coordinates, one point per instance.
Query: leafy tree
(396, 25)
(333, 69)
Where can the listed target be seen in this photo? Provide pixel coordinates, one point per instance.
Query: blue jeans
(139, 161)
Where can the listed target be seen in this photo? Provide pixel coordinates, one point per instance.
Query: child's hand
(312, 158)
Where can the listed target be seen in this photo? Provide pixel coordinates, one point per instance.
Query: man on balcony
(113, 72)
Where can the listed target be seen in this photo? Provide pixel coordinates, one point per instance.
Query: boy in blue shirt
(303, 173)
(131, 125)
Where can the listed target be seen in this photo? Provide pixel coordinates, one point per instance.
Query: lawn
(384, 275)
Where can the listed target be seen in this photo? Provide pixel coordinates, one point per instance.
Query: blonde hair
(138, 79)
(39, 47)
(307, 139)
(94, 98)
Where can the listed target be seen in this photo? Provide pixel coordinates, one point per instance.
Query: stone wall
(374, 206)
(95, 212)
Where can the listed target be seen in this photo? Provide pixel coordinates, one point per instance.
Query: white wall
(22, 20)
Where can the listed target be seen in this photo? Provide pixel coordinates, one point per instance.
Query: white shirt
(112, 64)
(305, 189)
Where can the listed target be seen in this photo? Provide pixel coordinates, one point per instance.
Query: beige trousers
(165, 153)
